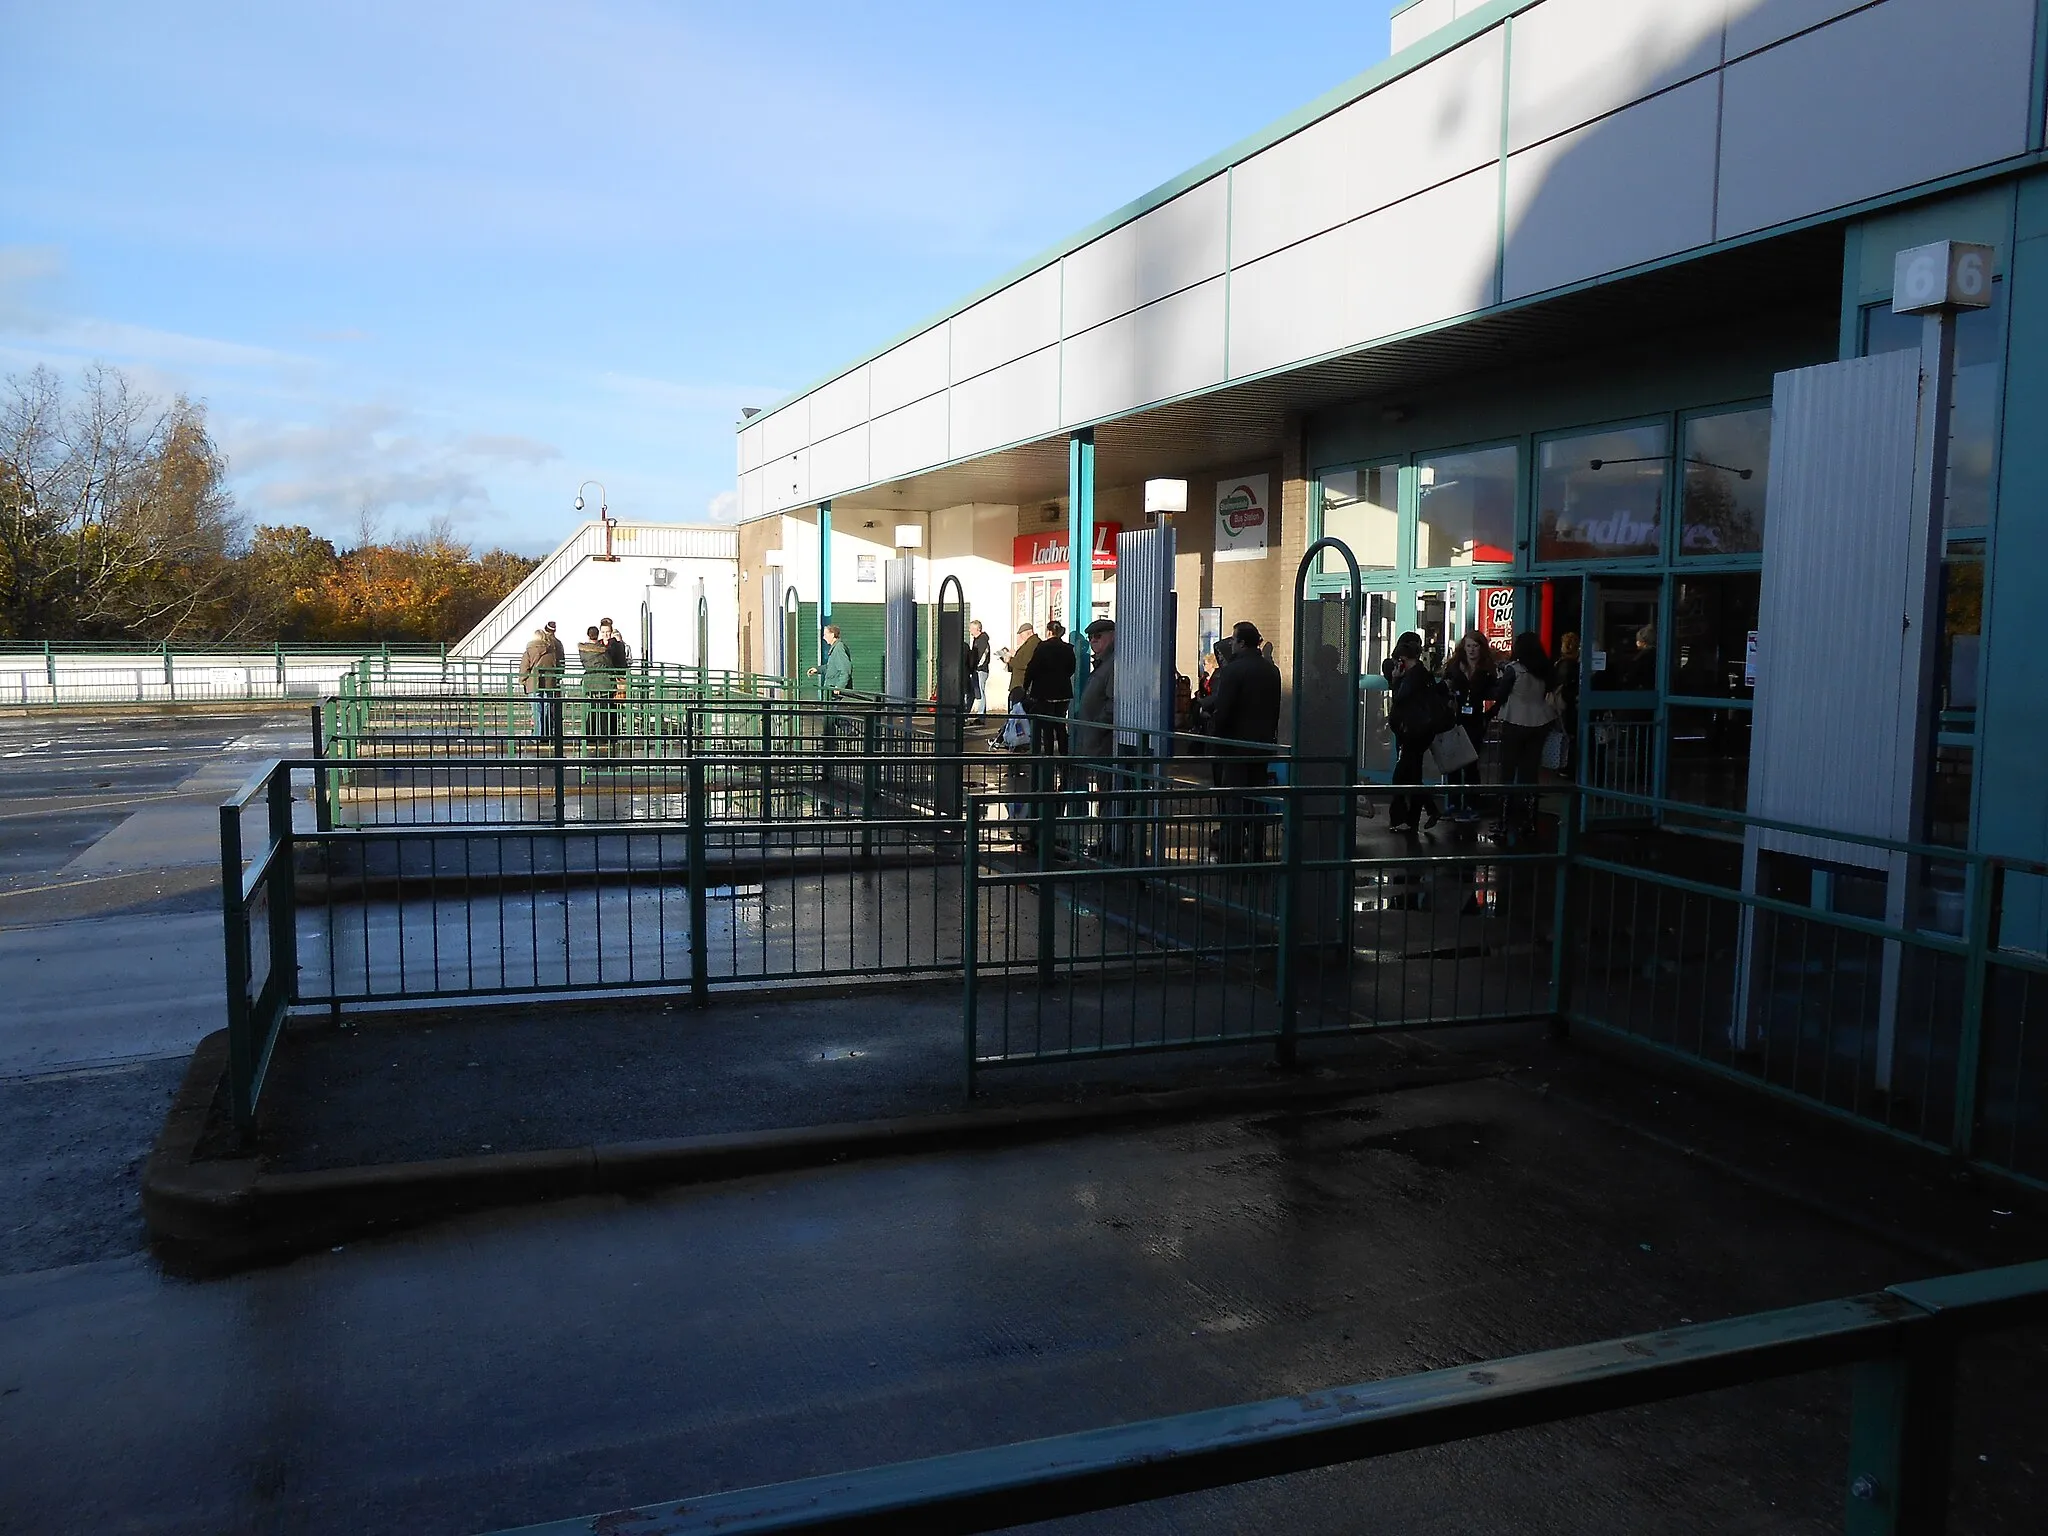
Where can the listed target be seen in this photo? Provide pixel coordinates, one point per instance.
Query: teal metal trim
(824, 572)
(2016, 165)
(1905, 1412)
(2037, 97)
(1500, 216)
(1442, 41)
(1080, 553)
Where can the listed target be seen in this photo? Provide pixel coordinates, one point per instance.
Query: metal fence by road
(1900, 1345)
(112, 672)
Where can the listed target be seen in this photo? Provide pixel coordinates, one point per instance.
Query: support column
(824, 565)
(1080, 552)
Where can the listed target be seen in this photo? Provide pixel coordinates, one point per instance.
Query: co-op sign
(1241, 520)
(1034, 552)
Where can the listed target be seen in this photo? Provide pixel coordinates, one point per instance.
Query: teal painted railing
(1127, 914)
(1899, 1344)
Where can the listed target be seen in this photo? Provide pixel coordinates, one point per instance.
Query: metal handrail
(1902, 1342)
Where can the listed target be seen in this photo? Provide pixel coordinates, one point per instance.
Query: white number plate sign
(1949, 274)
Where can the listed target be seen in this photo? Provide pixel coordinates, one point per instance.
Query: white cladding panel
(839, 463)
(1427, 259)
(787, 481)
(1425, 128)
(787, 430)
(1901, 93)
(1004, 326)
(910, 439)
(1164, 349)
(1007, 405)
(841, 404)
(1419, 20)
(1575, 60)
(1629, 188)
(1175, 246)
(1754, 24)
(1838, 548)
(908, 371)
(750, 449)
(751, 484)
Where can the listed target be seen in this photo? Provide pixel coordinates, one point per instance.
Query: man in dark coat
(1244, 707)
(977, 667)
(1049, 693)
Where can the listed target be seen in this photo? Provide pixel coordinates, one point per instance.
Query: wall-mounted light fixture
(1166, 496)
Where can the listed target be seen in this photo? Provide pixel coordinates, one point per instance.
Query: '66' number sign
(1949, 274)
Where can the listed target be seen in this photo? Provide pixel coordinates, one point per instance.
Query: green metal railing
(117, 672)
(1899, 1344)
(1134, 910)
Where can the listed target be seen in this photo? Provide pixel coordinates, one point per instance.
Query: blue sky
(454, 258)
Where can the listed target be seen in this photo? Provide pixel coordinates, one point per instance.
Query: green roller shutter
(862, 627)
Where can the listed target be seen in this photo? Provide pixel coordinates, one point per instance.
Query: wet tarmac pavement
(601, 1353)
(533, 1365)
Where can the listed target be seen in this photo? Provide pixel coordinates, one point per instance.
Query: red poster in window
(1497, 617)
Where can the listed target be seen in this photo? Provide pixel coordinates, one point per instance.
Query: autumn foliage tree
(116, 524)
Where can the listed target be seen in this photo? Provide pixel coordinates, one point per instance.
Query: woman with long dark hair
(1527, 715)
(1472, 678)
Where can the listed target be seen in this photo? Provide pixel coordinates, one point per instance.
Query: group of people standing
(1529, 696)
(602, 659)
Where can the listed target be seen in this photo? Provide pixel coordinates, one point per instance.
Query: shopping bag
(1453, 750)
(1016, 729)
(1557, 751)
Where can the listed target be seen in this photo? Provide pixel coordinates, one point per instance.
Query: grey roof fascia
(1388, 70)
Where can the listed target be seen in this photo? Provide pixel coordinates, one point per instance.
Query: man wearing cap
(1095, 730)
(540, 674)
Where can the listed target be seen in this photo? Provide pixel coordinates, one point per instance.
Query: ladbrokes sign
(1047, 552)
(1241, 518)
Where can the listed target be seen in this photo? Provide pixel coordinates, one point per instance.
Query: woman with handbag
(1527, 715)
(1417, 712)
(1473, 680)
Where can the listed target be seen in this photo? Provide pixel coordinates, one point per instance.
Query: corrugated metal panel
(1833, 656)
(1144, 639)
(899, 595)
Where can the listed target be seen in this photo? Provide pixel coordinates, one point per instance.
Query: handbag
(1453, 750)
(1557, 750)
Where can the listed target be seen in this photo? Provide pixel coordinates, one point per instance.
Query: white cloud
(724, 507)
(372, 456)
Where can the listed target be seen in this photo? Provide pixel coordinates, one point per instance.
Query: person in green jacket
(835, 675)
(837, 667)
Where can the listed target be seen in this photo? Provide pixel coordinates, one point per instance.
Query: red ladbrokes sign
(1046, 552)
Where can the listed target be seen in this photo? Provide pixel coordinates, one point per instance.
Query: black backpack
(1426, 712)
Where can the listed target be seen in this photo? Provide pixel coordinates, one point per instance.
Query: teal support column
(824, 589)
(824, 563)
(1080, 551)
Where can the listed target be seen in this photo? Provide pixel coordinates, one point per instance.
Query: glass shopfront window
(1973, 422)
(1363, 508)
(1727, 478)
(1707, 758)
(1713, 619)
(1601, 496)
(1465, 511)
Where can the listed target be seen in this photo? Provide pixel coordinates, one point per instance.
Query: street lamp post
(604, 515)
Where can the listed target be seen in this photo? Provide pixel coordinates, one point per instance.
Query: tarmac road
(110, 954)
(577, 1358)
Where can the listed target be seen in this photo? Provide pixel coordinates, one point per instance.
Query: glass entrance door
(1379, 628)
(1441, 617)
(1619, 696)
